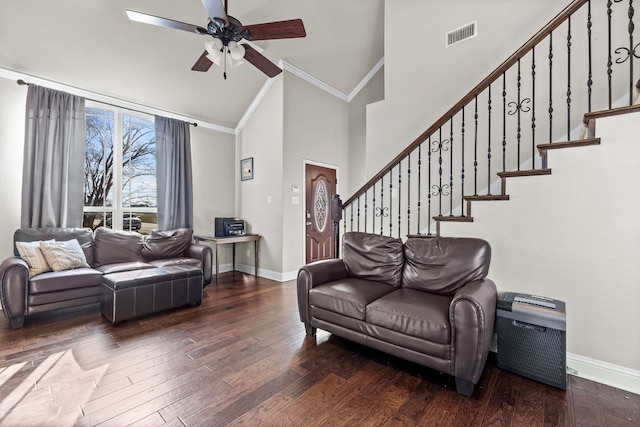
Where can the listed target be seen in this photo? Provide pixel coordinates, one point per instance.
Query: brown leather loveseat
(25, 290)
(427, 300)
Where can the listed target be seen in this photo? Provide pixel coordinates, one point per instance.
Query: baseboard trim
(604, 373)
(267, 274)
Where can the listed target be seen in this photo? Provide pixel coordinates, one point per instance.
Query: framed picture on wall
(246, 169)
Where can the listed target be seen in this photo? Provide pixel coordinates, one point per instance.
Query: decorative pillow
(167, 244)
(373, 257)
(64, 255)
(31, 253)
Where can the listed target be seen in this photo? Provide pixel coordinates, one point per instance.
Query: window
(120, 170)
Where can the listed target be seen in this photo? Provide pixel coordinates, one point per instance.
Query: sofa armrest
(205, 255)
(14, 285)
(472, 315)
(314, 274)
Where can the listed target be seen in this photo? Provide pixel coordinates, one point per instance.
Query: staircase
(547, 96)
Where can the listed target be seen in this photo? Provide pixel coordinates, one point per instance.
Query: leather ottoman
(132, 294)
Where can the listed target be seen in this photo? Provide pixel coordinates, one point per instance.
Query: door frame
(303, 196)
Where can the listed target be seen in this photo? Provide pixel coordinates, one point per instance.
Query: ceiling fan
(231, 40)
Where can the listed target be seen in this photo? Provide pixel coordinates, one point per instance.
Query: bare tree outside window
(134, 175)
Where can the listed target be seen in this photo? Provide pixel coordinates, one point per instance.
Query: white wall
(574, 236)
(423, 79)
(12, 110)
(259, 201)
(316, 129)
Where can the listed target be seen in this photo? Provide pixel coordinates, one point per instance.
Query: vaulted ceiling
(93, 46)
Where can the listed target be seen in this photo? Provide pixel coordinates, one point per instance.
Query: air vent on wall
(461, 34)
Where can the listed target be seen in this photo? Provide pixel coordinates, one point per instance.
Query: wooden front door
(320, 186)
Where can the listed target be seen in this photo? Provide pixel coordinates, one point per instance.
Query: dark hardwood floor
(242, 358)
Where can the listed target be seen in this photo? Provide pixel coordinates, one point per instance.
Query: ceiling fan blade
(261, 62)
(203, 63)
(164, 22)
(215, 9)
(290, 29)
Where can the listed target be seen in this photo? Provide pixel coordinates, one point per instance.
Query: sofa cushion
(176, 261)
(55, 281)
(442, 265)
(114, 246)
(65, 255)
(123, 266)
(167, 244)
(412, 312)
(348, 297)
(31, 253)
(373, 257)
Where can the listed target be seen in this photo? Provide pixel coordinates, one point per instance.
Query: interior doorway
(320, 187)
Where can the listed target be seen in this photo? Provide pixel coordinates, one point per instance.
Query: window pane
(138, 163)
(98, 158)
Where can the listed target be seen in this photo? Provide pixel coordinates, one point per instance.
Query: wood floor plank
(242, 358)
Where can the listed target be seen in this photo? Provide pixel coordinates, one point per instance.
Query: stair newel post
(336, 217)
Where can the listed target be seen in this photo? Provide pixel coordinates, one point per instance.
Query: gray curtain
(173, 174)
(53, 170)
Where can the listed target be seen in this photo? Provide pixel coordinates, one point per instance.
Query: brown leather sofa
(106, 252)
(427, 300)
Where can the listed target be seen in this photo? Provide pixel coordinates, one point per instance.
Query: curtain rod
(24, 83)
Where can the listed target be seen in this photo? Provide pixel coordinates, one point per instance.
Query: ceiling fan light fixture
(236, 51)
(214, 49)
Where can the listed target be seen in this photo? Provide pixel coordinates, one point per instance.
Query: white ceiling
(93, 46)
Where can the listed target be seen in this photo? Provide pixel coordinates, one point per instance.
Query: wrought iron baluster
(373, 219)
(399, 192)
(551, 87)
(569, 78)
(504, 121)
(358, 215)
(351, 215)
(409, 193)
(462, 165)
(391, 202)
(519, 110)
(489, 144)
(451, 167)
(609, 59)
(382, 214)
(365, 210)
(632, 50)
(589, 58)
(429, 190)
(419, 204)
(475, 150)
(533, 108)
(440, 189)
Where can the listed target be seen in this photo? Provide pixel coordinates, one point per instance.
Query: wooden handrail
(513, 59)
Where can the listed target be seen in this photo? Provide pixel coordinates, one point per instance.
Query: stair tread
(529, 172)
(451, 218)
(569, 144)
(487, 197)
